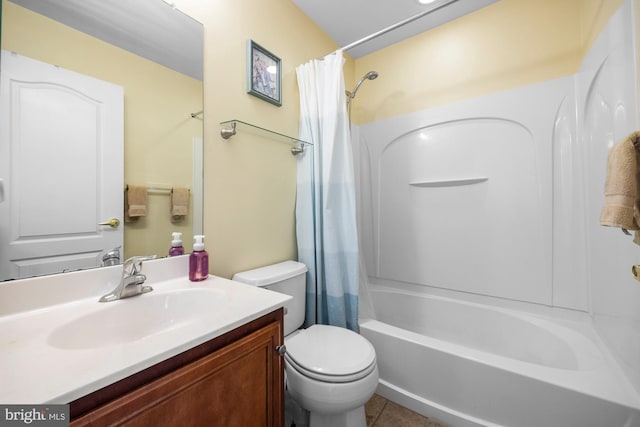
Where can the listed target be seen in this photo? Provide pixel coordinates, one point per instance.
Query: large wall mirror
(143, 63)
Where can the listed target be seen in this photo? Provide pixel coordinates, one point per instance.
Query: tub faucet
(131, 283)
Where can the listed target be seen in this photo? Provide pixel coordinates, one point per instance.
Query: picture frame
(264, 74)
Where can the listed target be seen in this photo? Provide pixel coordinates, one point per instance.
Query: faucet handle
(135, 264)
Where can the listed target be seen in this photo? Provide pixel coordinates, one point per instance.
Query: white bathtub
(471, 364)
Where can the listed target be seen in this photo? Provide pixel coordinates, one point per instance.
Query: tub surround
(40, 367)
(468, 237)
(480, 241)
(608, 102)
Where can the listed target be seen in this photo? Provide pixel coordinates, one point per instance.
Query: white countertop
(35, 371)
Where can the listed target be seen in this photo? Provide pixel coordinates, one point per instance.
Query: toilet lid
(330, 353)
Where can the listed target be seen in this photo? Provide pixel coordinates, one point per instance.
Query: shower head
(371, 75)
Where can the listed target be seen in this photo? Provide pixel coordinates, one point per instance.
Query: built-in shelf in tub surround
(449, 182)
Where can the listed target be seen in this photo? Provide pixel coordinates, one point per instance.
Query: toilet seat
(330, 354)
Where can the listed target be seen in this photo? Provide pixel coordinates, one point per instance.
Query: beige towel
(622, 204)
(135, 202)
(179, 203)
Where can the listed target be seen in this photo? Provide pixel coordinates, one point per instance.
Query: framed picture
(264, 76)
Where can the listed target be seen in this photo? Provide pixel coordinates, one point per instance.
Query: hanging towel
(179, 203)
(135, 202)
(621, 208)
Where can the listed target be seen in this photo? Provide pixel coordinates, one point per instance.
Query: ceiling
(347, 21)
(150, 28)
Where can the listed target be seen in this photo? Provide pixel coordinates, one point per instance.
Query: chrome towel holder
(230, 127)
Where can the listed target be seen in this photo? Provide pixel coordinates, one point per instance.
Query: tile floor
(384, 413)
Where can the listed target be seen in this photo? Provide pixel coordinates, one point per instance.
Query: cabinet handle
(281, 349)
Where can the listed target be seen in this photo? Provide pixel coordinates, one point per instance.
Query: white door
(61, 167)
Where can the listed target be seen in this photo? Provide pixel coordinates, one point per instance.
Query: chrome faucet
(111, 257)
(131, 283)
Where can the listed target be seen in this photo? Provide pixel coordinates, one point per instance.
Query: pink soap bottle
(198, 261)
(176, 245)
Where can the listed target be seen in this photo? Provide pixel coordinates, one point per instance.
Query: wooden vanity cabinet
(236, 379)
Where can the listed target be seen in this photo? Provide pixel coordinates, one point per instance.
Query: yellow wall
(250, 180)
(250, 183)
(153, 95)
(508, 44)
(249, 202)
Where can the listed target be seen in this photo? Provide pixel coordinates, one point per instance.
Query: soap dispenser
(198, 261)
(176, 244)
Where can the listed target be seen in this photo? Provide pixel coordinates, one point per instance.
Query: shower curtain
(325, 207)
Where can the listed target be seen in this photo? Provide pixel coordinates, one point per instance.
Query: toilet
(329, 371)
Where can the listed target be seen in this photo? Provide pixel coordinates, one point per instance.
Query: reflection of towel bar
(159, 188)
(450, 182)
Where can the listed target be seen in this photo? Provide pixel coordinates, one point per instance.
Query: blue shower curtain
(326, 207)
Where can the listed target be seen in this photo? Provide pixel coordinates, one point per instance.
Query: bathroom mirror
(154, 52)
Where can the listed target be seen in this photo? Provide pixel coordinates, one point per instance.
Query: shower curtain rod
(393, 27)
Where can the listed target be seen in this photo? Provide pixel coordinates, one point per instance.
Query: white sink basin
(139, 317)
(56, 321)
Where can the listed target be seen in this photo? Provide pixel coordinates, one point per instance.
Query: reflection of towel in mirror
(179, 203)
(621, 206)
(135, 202)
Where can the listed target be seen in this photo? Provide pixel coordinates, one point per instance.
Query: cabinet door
(239, 385)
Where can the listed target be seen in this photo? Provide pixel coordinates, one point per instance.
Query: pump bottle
(198, 261)
(176, 244)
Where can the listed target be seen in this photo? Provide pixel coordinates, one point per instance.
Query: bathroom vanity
(233, 380)
(183, 354)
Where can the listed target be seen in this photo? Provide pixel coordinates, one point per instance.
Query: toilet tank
(288, 277)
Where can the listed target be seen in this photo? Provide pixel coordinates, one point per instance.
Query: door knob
(113, 223)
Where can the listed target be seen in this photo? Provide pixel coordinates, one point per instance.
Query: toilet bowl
(330, 371)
